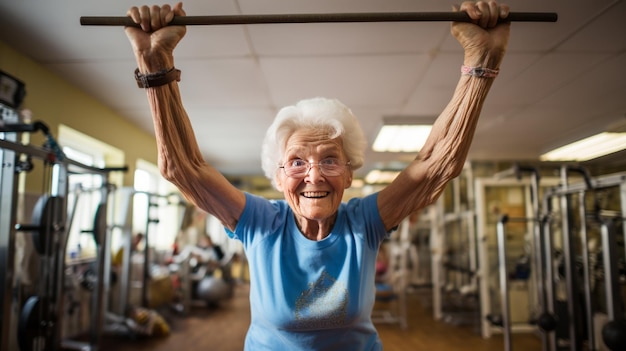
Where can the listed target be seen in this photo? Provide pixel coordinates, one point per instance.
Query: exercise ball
(213, 290)
(614, 335)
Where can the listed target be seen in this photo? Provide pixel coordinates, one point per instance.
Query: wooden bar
(319, 18)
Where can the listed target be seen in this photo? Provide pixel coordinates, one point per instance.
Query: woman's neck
(315, 230)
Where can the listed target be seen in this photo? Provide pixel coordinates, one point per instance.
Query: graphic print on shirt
(323, 305)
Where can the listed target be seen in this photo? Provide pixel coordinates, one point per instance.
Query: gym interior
(99, 252)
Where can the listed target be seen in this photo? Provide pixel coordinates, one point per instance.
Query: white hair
(314, 113)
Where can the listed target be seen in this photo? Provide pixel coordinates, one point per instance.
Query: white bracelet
(480, 72)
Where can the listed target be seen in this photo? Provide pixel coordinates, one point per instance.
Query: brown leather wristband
(156, 79)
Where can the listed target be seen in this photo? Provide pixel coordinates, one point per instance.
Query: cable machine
(575, 278)
(9, 308)
(40, 317)
(514, 192)
(124, 223)
(453, 247)
(88, 274)
(586, 282)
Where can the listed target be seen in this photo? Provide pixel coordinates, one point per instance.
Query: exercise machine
(576, 280)
(514, 192)
(135, 277)
(34, 322)
(454, 253)
(591, 210)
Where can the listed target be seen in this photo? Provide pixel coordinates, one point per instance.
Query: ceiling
(559, 81)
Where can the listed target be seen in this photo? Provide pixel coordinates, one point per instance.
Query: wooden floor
(224, 329)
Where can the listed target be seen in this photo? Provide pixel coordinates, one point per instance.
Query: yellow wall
(55, 101)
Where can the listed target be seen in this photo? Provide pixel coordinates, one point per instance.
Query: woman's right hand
(154, 43)
(484, 40)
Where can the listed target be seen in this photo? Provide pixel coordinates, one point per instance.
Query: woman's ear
(348, 180)
(278, 182)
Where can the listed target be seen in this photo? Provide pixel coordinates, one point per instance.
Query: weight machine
(36, 324)
(454, 254)
(584, 217)
(562, 321)
(124, 224)
(391, 290)
(514, 192)
(534, 265)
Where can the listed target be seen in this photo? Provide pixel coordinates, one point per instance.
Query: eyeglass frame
(310, 165)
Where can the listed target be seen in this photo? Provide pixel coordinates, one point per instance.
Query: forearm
(453, 131)
(181, 162)
(443, 156)
(449, 142)
(153, 61)
(178, 151)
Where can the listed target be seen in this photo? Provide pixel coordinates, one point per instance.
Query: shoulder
(362, 216)
(364, 206)
(260, 215)
(256, 204)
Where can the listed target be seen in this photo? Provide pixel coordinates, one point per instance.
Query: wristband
(480, 72)
(156, 79)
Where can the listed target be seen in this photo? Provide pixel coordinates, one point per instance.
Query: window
(85, 189)
(83, 198)
(156, 199)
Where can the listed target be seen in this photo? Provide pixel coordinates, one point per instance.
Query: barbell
(320, 18)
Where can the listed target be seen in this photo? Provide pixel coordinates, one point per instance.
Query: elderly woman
(312, 257)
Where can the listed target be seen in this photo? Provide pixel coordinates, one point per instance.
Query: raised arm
(443, 156)
(180, 160)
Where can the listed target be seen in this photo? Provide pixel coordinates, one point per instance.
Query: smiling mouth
(315, 194)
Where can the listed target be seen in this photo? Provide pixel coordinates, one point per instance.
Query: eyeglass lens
(328, 167)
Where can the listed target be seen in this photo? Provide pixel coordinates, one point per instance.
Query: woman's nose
(314, 174)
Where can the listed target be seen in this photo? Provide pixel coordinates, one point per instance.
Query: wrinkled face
(315, 196)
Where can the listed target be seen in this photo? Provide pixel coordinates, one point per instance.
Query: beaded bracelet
(156, 79)
(480, 72)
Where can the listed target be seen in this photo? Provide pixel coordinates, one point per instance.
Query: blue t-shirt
(310, 295)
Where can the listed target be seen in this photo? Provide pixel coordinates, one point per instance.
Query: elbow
(456, 169)
(177, 173)
(439, 176)
(167, 170)
(169, 176)
(444, 163)
(446, 170)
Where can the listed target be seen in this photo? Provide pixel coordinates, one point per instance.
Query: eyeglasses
(329, 167)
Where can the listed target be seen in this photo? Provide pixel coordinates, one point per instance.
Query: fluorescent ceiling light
(377, 176)
(401, 138)
(358, 183)
(588, 148)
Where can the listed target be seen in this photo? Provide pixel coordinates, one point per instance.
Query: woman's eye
(298, 163)
(329, 161)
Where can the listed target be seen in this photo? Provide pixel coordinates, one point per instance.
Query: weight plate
(100, 224)
(49, 217)
(32, 333)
